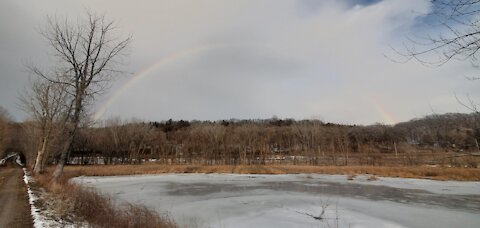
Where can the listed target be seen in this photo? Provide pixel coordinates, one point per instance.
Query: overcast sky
(211, 60)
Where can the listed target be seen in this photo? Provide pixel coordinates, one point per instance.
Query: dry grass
(436, 173)
(372, 178)
(75, 203)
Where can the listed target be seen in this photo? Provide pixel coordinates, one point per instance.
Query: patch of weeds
(372, 178)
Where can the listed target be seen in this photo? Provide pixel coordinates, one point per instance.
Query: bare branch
(459, 40)
(87, 53)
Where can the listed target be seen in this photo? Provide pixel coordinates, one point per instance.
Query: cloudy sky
(211, 60)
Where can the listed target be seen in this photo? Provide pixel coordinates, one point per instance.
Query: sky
(217, 59)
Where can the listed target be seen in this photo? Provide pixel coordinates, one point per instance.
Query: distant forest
(449, 139)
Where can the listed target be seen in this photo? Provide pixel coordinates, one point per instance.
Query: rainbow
(150, 69)
(387, 116)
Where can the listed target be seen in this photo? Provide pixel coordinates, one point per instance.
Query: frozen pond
(231, 200)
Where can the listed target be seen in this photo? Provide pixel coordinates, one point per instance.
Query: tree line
(270, 141)
(88, 53)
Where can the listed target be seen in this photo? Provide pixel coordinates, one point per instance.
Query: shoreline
(417, 172)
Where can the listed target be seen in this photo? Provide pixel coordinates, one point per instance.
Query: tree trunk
(63, 157)
(71, 134)
(395, 147)
(39, 163)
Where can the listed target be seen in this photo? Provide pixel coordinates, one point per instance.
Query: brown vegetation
(372, 178)
(446, 140)
(79, 204)
(436, 173)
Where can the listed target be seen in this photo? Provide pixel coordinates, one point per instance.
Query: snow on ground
(234, 200)
(38, 220)
(42, 218)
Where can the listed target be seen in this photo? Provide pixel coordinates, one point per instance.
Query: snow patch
(18, 160)
(40, 220)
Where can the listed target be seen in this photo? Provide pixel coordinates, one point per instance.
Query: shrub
(86, 204)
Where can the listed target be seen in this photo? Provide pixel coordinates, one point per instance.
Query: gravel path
(14, 206)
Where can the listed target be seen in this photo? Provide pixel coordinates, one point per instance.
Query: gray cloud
(287, 58)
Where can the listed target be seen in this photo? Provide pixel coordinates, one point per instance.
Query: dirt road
(14, 206)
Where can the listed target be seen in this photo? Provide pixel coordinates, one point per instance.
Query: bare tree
(5, 118)
(46, 102)
(139, 136)
(458, 38)
(458, 23)
(88, 53)
(4, 114)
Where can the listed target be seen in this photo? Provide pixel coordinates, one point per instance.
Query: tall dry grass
(79, 204)
(426, 172)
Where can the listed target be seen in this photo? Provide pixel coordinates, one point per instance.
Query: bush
(86, 204)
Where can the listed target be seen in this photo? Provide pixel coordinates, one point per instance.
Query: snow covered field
(233, 200)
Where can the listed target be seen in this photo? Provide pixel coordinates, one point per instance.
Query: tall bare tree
(46, 102)
(88, 51)
(458, 37)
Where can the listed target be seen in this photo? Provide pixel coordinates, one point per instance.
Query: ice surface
(234, 200)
